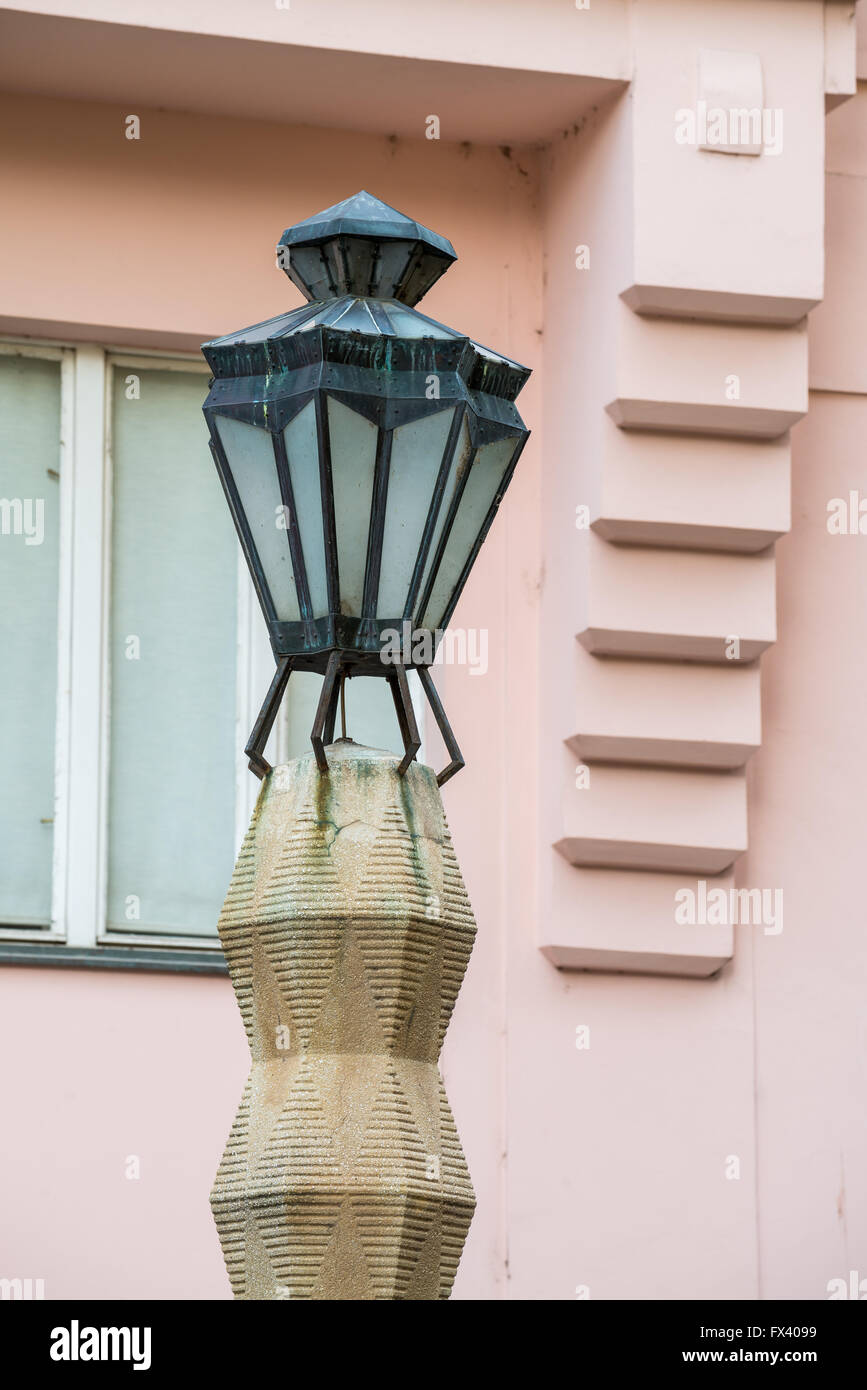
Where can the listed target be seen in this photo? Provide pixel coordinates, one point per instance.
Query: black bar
(377, 523)
(326, 488)
(203, 1340)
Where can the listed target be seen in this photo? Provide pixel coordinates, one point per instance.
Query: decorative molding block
(347, 931)
(730, 82)
(667, 713)
(654, 819)
(607, 919)
(680, 605)
(698, 493)
(709, 378)
(723, 306)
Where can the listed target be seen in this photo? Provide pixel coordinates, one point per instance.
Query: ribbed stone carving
(347, 930)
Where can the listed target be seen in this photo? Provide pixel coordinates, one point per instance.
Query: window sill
(202, 961)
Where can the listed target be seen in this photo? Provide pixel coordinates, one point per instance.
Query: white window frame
(82, 726)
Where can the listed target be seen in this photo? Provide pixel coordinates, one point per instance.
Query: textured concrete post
(347, 930)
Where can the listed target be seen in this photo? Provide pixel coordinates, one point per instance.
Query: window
(135, 659)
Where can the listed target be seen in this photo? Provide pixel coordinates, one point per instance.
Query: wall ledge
(160, 959)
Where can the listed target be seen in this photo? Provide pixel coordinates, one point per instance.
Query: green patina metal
(360, 342)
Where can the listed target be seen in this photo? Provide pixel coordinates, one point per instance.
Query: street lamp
(363, 449)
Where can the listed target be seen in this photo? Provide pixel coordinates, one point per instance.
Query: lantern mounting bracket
(405, 717)
(326, 716)
(445, 728)
(255, 747)
(326, 713)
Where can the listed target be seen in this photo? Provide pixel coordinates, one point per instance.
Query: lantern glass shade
(457, 467)
(480, 481)
(254, 474)
(352, 443)
(416, 458)
(302, 452)
(363, 447)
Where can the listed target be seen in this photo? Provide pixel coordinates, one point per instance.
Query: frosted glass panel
(459, 465)
(303, 453)
(355, 318)
(29, 532)
(353, 459)
(486, 474)
(250, 452)
(409, 323)
(416, 455)
(172, 637)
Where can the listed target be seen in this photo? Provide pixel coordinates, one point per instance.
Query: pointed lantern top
(363, 247)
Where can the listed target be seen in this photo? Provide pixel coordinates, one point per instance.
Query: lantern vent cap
(366, 248)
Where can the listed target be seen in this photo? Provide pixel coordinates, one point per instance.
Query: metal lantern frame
(354, 348)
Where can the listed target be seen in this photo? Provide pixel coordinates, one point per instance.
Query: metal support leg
(443, 725)
(267, 714)
(405, 717)
(326, 711)
(333, 706)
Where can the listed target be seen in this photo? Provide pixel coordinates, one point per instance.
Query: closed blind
(29, 572)
(172, 660)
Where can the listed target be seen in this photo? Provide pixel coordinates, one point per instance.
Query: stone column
(347, 930)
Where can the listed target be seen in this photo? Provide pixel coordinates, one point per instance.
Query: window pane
(173, 655)
(29, 536)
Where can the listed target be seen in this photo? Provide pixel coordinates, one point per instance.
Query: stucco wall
(807, 798)
(167, 242)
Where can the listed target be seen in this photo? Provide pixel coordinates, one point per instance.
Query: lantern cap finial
(364, 247)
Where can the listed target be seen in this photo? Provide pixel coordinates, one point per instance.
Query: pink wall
(155, 253)
(101, 1065)
(169, 240)
(807, 798)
